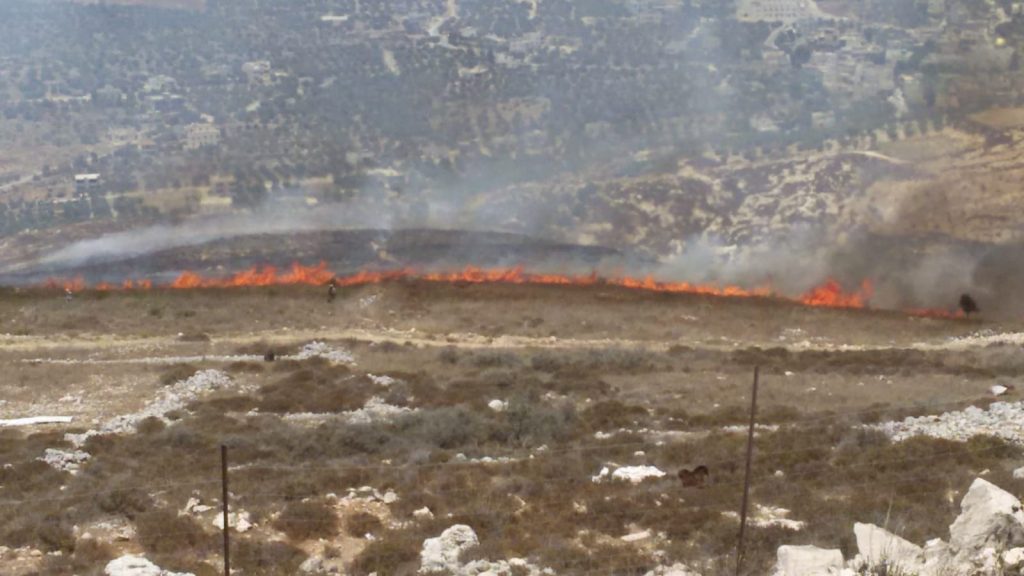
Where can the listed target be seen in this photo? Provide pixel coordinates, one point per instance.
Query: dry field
(491, 406)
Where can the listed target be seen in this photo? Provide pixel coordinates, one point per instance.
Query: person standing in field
(332, 290)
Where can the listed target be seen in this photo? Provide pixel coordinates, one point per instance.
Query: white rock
(1018, 474)
(880, 547)
(239, 521)
(137, 566)
(317, 349)
(990, 516)
(634, 474)
(498, 405)
(1013, 558)
(64, 460)
(389, 497)
(33, 420)
(636, 536)
(768, 516)
(808, 561)
(315, 565)
(423, 514)
(193, 506)
(998, 390)
(441, 554)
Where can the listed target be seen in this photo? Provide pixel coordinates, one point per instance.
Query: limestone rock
(808, 561)
(441, 554)
(880, 547)
(137, 566)
(989, 517)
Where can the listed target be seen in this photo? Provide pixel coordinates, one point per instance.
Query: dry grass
(306, 520)
(544, 508)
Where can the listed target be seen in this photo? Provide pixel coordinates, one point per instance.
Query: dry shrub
(360, 524)
(396, 553)
(532, 422)
(260, 558)
(450, 355)
(25, 478)
(177, 373)
(611, 415)
(164, 532)
(125, 502)
(447, 428)
(495, 359)
(243, 367)
(316, 389)
(150, 425)
(55, 534)
(91, 554)
(305, 520)
(596, 362)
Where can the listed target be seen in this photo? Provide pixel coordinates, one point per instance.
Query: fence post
(224, 503)
(746, 478)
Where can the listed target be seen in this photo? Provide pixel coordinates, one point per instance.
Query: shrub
(612, 414)
(177, 373)
(306, 520)
(126, 502)
(360, 524)
(449, 355)
(150, 425)
(394, 553)
(259, 558)
(90, 554)
(55, 534)
(447, 428)
(164, 532)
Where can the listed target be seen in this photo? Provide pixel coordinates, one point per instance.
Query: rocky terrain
(415, 428)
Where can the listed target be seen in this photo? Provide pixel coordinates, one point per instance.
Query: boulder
(441, 554)
(1013, 558)
(938, 558)
(137, 566)
(808, 561)
(879, 547)
(990, 517)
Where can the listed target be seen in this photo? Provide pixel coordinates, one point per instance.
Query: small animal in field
(696, 478)
(332, 291)
(968, 305)
(269, 356)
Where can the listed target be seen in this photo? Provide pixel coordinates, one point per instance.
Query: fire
(829, 294)
(258, 276)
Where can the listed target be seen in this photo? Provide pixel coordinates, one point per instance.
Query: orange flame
(829, 294)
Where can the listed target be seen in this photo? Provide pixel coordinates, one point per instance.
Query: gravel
(1002, 419)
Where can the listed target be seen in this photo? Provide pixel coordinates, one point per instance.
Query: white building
(84, 183)
(777, 10)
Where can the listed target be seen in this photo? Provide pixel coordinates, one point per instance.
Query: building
(776, 10)
(200, 135)
(86, 183)
(258, 72)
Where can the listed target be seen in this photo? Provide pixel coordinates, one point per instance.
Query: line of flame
(829, 294)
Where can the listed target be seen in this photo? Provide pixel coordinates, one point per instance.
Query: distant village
(249, 102)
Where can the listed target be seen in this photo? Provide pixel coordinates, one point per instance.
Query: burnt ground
(345, 252)
(592, 376)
